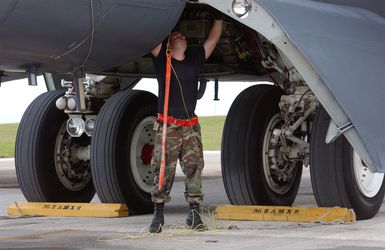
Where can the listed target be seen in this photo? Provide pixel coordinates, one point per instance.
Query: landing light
(75, 126)
(241, 8)
(89, 126)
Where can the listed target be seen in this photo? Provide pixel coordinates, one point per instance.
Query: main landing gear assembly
(66, 156)
(96, 136)
(268, 138)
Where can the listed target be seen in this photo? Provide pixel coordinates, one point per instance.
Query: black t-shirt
(188, 72)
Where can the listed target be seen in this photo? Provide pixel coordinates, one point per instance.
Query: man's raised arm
(213, 38)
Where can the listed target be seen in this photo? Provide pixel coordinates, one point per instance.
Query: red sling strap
(165, 117)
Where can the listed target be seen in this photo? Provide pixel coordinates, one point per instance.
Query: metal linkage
(297, 109)
(83, 100)
(85, 95)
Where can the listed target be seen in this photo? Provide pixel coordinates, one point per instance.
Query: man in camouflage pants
(183, 143)
(183, 131)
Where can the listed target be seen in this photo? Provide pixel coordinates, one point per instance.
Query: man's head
(178, 41)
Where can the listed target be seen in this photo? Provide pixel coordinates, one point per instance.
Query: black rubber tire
(110, 149)
(332, 173)
(35, 153)
(242, 149)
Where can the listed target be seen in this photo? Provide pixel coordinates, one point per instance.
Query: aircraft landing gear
(338, 175)
(254, 169)
(121, 150)
(45, 156)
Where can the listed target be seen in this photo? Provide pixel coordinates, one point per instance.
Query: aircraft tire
(124, 134)
(249, 123)
(42, 173)
(338, 176)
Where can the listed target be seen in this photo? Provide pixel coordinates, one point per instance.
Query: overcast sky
(15, 97)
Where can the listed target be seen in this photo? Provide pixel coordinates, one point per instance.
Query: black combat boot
(194, 220)
(158, 219)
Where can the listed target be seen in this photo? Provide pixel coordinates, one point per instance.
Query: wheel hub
(147, 154)
(368, 183)
(72, 160)
(279, 171)
(142, 145)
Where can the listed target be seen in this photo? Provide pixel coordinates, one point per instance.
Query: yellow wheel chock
(282, 213)
(68, 209)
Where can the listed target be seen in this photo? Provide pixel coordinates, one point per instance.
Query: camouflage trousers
(183, 143)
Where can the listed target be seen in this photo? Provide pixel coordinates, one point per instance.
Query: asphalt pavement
(131, 232)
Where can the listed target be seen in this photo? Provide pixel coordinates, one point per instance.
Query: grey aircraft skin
(330, 50)
(39, 34)
(375, 6)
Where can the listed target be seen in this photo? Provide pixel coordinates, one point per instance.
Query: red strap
(184, 123)
(165, 113)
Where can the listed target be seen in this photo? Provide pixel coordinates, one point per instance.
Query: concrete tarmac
(131, 232)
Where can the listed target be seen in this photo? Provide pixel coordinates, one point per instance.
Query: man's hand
(213, 38)
(155, 51)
